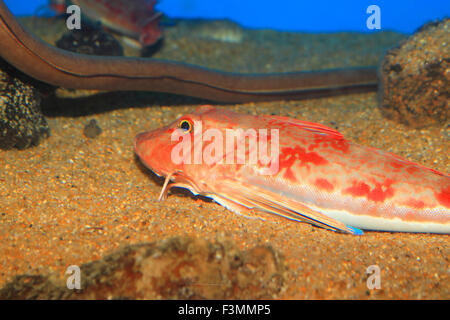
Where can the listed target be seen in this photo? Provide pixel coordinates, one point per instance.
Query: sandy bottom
(72, 199)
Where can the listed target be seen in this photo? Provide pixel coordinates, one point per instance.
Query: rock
(92, 130)
(177, 268)
(415, 78)
(21, 121)
(91, 39)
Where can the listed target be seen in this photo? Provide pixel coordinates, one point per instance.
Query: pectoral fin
(267, 201)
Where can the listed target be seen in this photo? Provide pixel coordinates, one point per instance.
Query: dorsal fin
(309, 126)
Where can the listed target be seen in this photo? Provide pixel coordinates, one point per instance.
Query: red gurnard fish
(322, 178)
(135, 19)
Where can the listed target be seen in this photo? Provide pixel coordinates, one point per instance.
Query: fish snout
(139, 142)
(153, 151)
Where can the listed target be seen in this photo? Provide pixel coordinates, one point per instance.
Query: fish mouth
(137, 140)
(144, 147)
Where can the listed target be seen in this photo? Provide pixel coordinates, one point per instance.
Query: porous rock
(415, 78)
(91, 39)
(177, 268)
(22, 123)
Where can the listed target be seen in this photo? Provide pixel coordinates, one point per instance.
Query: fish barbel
(320, 177)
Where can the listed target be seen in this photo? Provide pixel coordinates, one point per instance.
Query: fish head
(154, 149)
(160, 149)
(202, 143)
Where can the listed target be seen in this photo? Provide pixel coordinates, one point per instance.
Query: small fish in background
(58, 6)
(323, 179)
(137, 20)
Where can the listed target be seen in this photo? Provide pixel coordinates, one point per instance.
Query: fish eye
(185, 125)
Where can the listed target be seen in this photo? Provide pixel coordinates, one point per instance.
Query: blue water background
(294, 15)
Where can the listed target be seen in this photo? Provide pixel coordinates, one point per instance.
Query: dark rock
(177, 268)
(90, 39)
(92, 129)
(21, 121)
(415, 78)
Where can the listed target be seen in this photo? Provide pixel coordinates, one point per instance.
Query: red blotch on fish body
(324, 184)
(443, 197)
(286, 161)
(379, 193)
(418, 204)
(358, 189)
(340, 144)
(412, 169)
(311, 147)
(289, 155)
(289, 175)
(397, 164)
